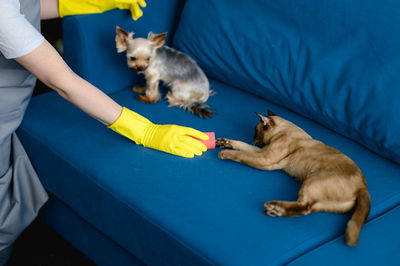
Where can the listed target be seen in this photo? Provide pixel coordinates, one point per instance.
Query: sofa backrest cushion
(336, 62)
(89, 42)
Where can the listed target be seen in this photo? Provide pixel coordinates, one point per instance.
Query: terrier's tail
(359, 217)
(200, 109)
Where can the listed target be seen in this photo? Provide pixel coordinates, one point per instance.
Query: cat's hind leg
(286, 208)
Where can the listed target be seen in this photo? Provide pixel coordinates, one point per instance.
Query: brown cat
(331, 181)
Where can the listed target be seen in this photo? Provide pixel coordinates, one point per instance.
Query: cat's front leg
(227, 154)
(236, 145)
(224, 143)
(253, 159)
(256, 160)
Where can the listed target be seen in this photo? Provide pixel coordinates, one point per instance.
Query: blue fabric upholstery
(337, 62)
(99, 247)
(377, 233)
(117, 201)
(187, 211)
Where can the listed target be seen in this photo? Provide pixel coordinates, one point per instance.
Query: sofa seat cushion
(383, 248)
(336, 62)
(203, 210)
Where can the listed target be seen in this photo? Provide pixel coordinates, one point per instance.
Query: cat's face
(265, 128)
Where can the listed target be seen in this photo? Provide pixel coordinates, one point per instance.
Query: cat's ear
(270, 113)
(267, 121)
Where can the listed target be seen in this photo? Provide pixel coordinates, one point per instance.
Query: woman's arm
(42, 60)
(49, 9)
(53, 9)
(48, 66)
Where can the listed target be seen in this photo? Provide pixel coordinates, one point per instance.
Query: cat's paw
(271, 208)
(223, 143)
(225, 154)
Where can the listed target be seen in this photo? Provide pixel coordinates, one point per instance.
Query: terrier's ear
(267, 121)
(270, 113)
(157, 40)
(121, 39)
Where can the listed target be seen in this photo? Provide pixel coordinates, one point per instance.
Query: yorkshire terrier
(189, 86)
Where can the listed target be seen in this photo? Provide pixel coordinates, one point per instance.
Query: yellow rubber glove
(79, 7)
(173, 139)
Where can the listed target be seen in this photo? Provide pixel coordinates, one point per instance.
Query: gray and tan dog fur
(331, 181)
(189, 86)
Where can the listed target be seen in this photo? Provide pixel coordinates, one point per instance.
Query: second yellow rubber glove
(173, 139)
(79, 7)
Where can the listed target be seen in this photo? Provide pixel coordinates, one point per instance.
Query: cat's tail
(200, 109)
(359, 217)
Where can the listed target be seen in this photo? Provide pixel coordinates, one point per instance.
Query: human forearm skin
(49, 67)
(49, 9)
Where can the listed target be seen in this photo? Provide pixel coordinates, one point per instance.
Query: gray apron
(21, 193)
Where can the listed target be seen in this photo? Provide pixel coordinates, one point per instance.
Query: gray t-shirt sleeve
(18, 37)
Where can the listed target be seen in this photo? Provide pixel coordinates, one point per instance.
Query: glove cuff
(62, 8)
(76, 7)
(133, 126)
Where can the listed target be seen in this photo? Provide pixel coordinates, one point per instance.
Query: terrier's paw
(140, 90)
(271, 208)
(146, 99)
(223, 143)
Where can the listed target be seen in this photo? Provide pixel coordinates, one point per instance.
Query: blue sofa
(331, 67)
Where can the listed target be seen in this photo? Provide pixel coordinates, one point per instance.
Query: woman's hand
(172, 139)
